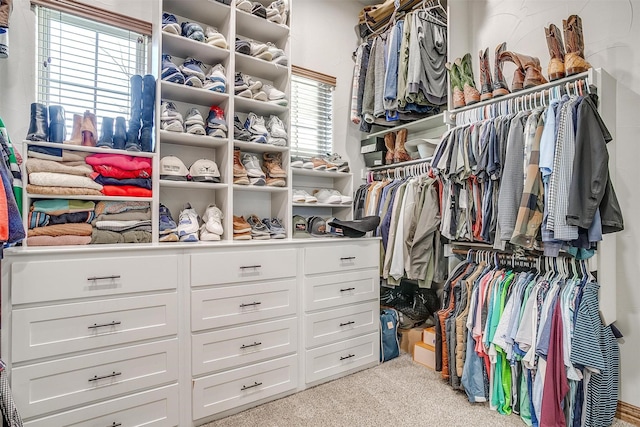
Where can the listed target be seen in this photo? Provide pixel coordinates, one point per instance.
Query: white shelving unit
(311, 180)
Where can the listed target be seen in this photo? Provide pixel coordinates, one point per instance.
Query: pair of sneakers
(193, 31)
(266, 228)
(254, 8)
(189, 229)
(216, 125)
(191, 73)
(257, 130)
(278, 11)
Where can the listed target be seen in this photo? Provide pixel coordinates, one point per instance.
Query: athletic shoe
(243, 46)
(275, 51)
(167, 224)
(194, 123)
(307, 164)
(240, 225)
(255, 125)
(216, 123)
(296, 162)
(259, 95)
(259, 231)
(170, 24)
(192, 31)
(252, 164)
(244, 5)
(260, 50)
(213, 37)
(241, 85)
(239, 171)
(273, 93)
(193, 67)
(302, 196)
(252, 84)
(239, 132)
(188, 224)
(213, 219)
(259, 10)
(207, 236)
(216, 79)
(170, 72)
(326, 196)
(276, 127)
(170, 119)
(281, 60)
(275, 227)
(258, 181)
(272, 162)
(345, 200)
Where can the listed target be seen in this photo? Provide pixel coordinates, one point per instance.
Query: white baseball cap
(172, 169)
(204, 170)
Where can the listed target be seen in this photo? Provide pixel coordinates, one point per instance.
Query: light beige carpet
(398, 393)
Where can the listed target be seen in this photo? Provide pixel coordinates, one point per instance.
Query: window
(83, 64)
(311, 113)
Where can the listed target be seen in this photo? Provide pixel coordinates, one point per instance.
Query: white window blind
(86, 65)
(311, 117)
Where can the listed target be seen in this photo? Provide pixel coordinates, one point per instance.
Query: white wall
(323, 39)
(611, 40)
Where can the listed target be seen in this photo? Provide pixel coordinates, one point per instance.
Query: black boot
(148, 106)
(57, 129)
(39, 125)
(120, 133)
(133, 133)
(106, 136)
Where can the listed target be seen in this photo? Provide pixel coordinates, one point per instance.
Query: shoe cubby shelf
(261, 108)
(183, 47)
(322, 174)
(205, 11)
(428, 123)
(88, 149)
(259, 188)
(257, 67)
(183, 138)
(190, 184)
(87, 197)
(193, 95)
(257, 28)
(259, 148)
(322, 205)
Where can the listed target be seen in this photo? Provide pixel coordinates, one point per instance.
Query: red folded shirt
(125, 190)
(118, 173)
(121, 161)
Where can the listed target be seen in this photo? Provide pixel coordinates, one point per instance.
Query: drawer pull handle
(351, 322)
(251, 304)
(97, 378)
(96, 326)
(255, 344)
(92, 279)
(347, 357)
(347, 289)
(244, 267)
(247, 387)
(114, 424)
(347, 258)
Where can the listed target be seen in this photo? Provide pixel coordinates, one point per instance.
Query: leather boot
(89, 129)
(148, 106)
(76, 134)
(556, 51)
(500, 86)
(390, 143)
(39, 124)
(120, 133)
(574, 61)
(133, 132)
(457, 95)
(106, 136)
(528, 71)
(57, 129)
(486, 86)
(471, 94)
(400, 154)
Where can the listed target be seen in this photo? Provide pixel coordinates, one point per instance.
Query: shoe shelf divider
(230, 198)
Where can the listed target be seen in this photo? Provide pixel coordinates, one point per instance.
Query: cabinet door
(230, 305)
(216, 268)
(333, 290)
(230, 389)
(339, 257)
(39, 281)
(58, 384)
(346, 322)
(58, 329)
(154, 408)
(228, 348)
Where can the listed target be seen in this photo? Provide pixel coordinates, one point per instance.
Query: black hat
(358, 227)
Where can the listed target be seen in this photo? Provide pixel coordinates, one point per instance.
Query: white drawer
(226, 390)
(229, 267)
(330, 258)
(328, 291)
(58, 329)
(228, 348)
(62, 383)
(230, 305)
(347, 322)
(323, 362)
(155, 408)
(38, 281)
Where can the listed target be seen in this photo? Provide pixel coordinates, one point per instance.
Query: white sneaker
(301, 196)
(214, 38)
(275, 51)
(213, 220)
(244, 5)
(252, 84)
(273, 93)
(255, 125)
(188, 224)
(260, 51)
(194, 123)
(259, 95)
(326, 196)
(343, 199)
(217, 73)
(170, 119)
(276, 127)
(193, 81)
(206, 236)
(252, 165)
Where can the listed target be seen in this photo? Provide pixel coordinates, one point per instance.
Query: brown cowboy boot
(486, 86)
(574, 61)
(556, 50)
(500, 86)
(390, 143)
(471, 94)
(400, 154)
(528, 72)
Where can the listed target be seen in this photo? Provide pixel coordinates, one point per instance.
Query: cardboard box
(429, 336)
(409, 338)
(425, 355)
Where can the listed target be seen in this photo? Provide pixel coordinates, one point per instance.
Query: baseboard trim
(628, 413)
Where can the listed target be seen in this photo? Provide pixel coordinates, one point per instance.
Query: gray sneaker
(258, 229)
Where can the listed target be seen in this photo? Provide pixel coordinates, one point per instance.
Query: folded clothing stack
(121, 175)
(122, 222)
(68, 176)
(57, 222)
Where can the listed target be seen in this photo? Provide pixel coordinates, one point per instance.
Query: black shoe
(57, 129)
(106, 136)
(120, 133)
(39, 124)
(259, 10)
